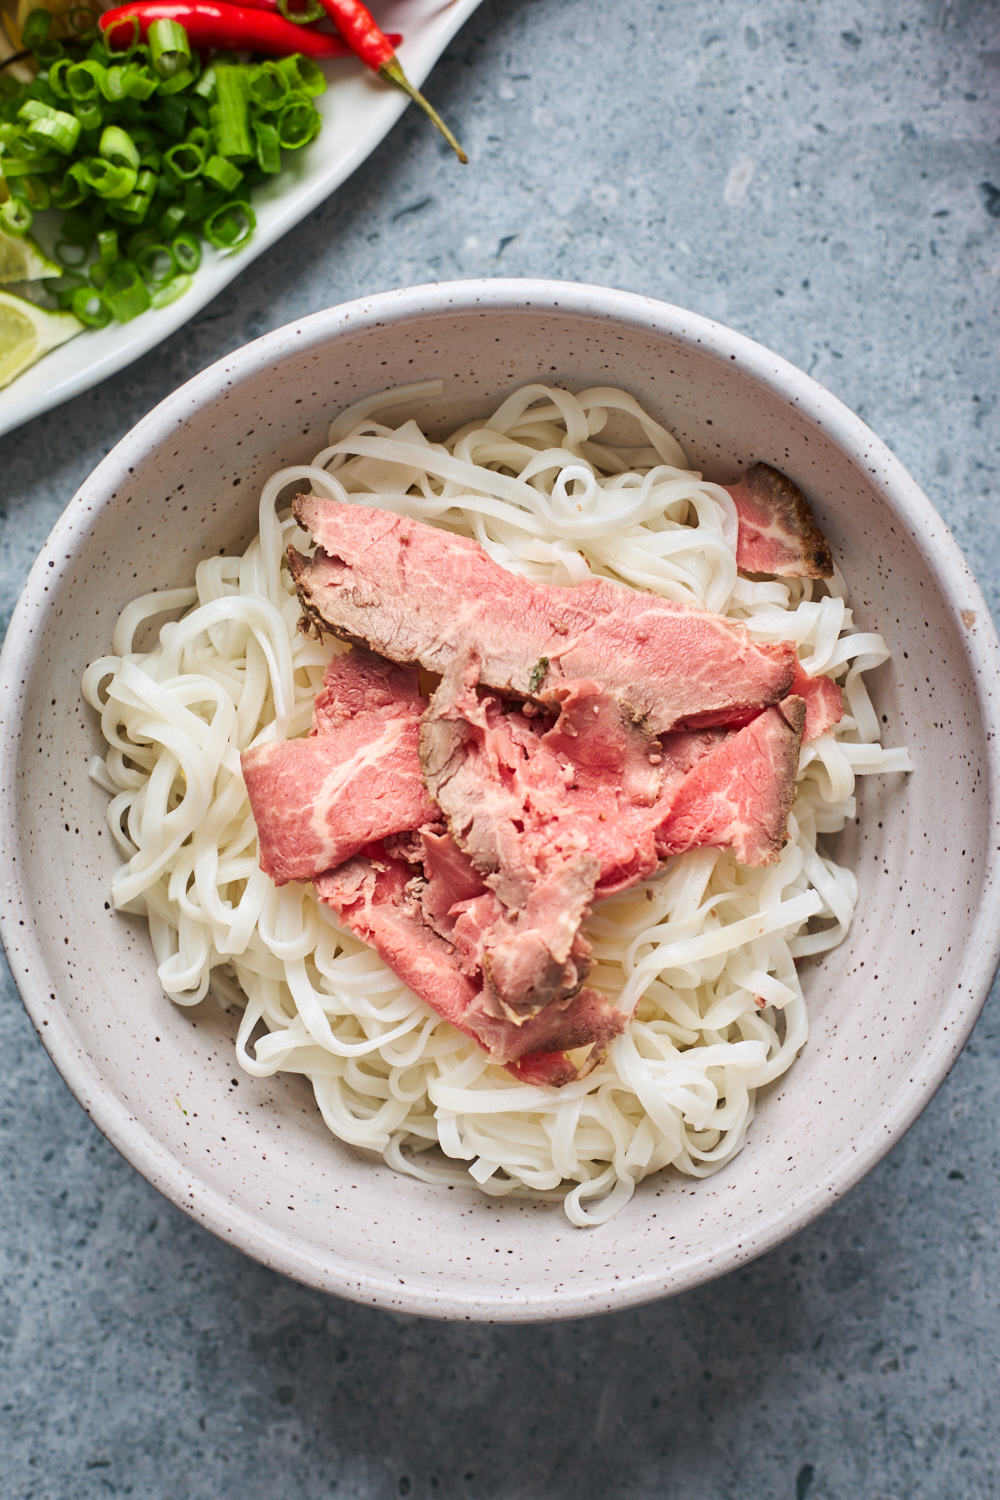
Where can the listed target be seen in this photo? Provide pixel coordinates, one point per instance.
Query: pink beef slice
(413, 593)
(777, 532)
(550, 818)
(740, 794)
(824, 702)
(379, 899)
(359, 682)
(317, 801)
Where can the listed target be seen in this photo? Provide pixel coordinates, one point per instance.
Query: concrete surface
(824, 178)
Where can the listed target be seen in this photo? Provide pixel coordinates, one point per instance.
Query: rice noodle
(703, 956)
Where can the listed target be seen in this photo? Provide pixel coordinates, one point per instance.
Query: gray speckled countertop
(827, 180)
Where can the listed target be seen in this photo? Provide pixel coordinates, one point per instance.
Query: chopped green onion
(109, 179)
(169, 48)
(302, 73)
(72, 189)
(83, 81)
(180, 81)
(34, 191)
(36, 28)
(117, 146)
(57, 81)
(199, 109)
(46, 126)
(199, 202)
(123, 52)
(125, 292)
(29, 165)
(268, 86)
(144, 136)
(187, 252)
(297, 124)
(40, 90)
(111, 83)
(131, 210)
(139, 81)
(230, 226)
(91, 116)
(16, 217)
(47, 53)
(38, 193)
(230, 115)
(145, 142)
(89, 306)
(139, 241)
(171, 117)
(168, 187)
(268, 146)
(82, 21)
(156, 264)
(172, 220)
(222, 173)
(205, 87)
(107, 246)
(185, 160)
(302, 15)
(171, 291)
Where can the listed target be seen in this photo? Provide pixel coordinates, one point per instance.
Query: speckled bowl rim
(173, 1177)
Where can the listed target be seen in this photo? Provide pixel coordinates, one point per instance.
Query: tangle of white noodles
(703, 956)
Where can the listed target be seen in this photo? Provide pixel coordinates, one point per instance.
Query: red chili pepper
(361, 32)
(234, 28)
(393, 37)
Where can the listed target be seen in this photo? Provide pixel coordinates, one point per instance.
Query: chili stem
(368, 41)
(392, 71)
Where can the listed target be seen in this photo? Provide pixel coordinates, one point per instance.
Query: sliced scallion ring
(169, 48)
(230, 226)
(89, 306)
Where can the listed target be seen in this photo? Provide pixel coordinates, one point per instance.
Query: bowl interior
(889, 1008)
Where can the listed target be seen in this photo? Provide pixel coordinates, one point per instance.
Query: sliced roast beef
(824, 702)
(414, 593)
(550, 816)
(378, 897)
(554, 817)
(359, 682)
(317, 801)
(466, 840)
(739, 795)
(777, 531)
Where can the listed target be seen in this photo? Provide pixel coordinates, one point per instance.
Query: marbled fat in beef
(739, 795)
(357, 778)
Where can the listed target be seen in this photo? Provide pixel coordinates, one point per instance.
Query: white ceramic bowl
(253, 1161)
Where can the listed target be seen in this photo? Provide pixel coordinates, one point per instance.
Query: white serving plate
(358, 112)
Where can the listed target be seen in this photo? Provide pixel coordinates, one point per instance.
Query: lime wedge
(27, 332)
(23, 260)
